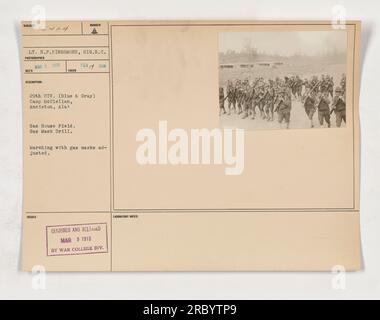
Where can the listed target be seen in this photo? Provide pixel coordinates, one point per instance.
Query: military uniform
(283, 108)
(313, 82)
(307, 84)
(293, 85)
(246, 101)
(339, 107)
(260, 102)
(255, 102)
(324, 84)
(330, 86)
(323, 106)
(221, 101)
(309, 106)
(239, 98)
(343, 84)
(300, 86)
(269, 103)
(231, 97)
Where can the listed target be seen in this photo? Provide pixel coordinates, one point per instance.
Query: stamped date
(76, 239)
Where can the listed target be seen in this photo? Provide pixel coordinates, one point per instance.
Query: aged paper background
(187, 218)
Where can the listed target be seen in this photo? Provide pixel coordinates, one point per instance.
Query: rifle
(278, 104)
(228, 94)
(275, 100)
(255, 84)
(310, 90)
(225, 98)
(264, 96)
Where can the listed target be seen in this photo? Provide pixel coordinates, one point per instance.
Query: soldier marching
(263, 99)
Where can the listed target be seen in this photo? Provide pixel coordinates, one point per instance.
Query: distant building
(226, 66)
(250, 65)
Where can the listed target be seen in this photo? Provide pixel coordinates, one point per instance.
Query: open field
(298, 118)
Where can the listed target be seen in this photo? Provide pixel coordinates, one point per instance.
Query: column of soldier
(275, 96)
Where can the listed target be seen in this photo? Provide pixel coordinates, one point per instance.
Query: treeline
(253, 55)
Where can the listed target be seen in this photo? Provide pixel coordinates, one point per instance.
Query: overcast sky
(285, 43)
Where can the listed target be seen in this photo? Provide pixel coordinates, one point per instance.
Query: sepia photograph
(282, 80)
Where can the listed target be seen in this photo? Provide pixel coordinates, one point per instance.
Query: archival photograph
(282, 80)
